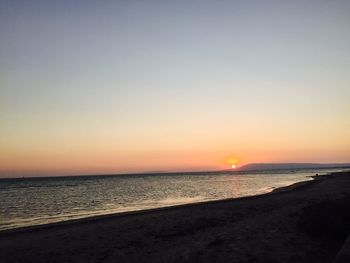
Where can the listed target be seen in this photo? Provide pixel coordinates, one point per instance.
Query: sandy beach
(265, 228)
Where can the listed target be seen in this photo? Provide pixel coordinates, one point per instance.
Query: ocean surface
(35, 201)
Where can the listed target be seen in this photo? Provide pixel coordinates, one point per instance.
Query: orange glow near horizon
(233, 162)
(68, 158)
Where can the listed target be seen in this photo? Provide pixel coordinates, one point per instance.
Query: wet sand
(251, 229)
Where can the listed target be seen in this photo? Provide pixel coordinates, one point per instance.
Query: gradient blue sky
(125, 86)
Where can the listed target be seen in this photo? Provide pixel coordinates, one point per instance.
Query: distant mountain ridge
(286, 166)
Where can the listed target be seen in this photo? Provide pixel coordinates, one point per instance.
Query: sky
(90, 87)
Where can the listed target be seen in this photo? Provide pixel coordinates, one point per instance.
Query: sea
(35, 201)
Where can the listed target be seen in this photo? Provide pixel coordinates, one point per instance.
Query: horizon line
(231, 170)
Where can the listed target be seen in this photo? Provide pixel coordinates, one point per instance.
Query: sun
(233, 162)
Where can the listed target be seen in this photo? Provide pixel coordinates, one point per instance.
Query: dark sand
(254, 229)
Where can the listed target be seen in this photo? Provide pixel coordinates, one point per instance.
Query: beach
(264, 228)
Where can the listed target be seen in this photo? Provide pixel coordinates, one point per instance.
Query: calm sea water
(26, 202)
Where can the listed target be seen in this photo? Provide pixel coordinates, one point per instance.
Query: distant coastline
(251, 167)
(289, 166)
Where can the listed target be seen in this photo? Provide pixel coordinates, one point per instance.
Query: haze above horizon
(104, 87)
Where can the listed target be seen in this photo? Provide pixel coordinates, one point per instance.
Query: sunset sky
(132, 86)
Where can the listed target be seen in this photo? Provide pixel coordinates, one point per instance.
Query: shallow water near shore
(35, 201)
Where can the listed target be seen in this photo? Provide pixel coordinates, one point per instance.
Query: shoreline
(293, 187)
(262, 228)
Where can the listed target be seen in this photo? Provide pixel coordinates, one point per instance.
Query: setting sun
(233, 162)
